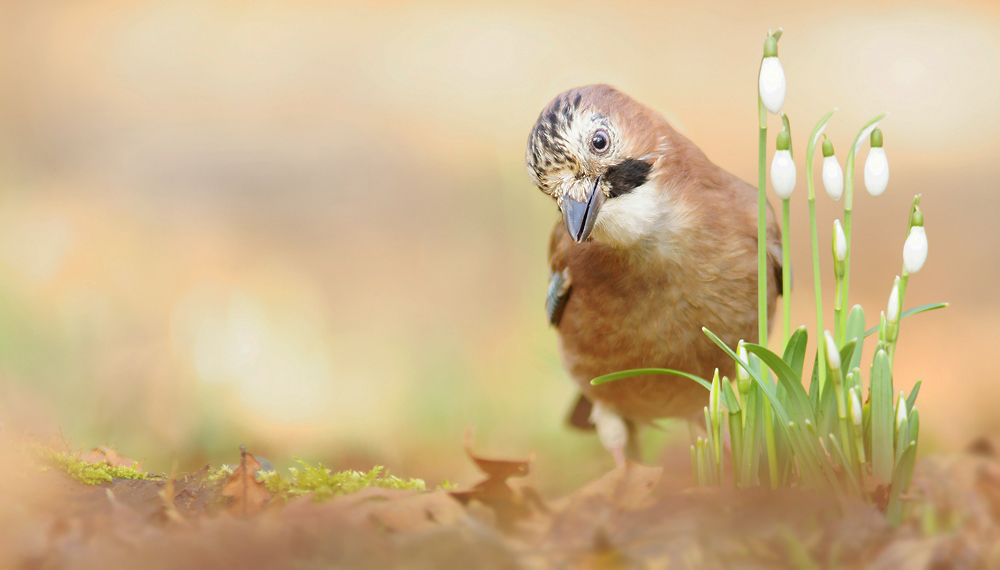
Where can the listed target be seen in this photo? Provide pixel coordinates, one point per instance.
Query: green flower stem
(786, 273)
(715, 423)
(856, 445)
(694, 465)
(842, 413)
(786, 253)
(816, 277)
(903, 278)
(829, 474)
(849, 206)
(762, 272)
(810, 151)
(700, 456)
(761, 226)
(840, 321)
(838, 304)
(851, 475)
(770, 443)
(772, 449)
(891, 345)
(736, 446)
(751, 441)
(713, 453)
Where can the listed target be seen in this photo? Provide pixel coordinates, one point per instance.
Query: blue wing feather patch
(555, 300)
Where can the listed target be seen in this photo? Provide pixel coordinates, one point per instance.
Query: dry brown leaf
(249, 494)
(494, 491)
(418, 511)
(495, 469)
(988, 485)
(110, 456)
(628, 486)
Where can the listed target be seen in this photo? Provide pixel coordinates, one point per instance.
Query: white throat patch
(644, 216)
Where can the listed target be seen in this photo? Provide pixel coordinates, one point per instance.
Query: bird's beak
(581, 216)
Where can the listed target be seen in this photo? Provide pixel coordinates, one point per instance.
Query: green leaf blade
(797, 397)
(910, 312)
(649, 372)
(855, 331)
(882, 417)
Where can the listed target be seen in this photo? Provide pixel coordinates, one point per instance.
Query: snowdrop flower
(833, 175)
(856, 415)
(772, 78)
(915, 249)
(832, 354)
(839, 242)
(892, 311)
(876, 166)
(783, 168)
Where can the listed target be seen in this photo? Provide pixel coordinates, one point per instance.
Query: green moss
(220, 475)
(87, 473)
(323, 484)
(447, 485)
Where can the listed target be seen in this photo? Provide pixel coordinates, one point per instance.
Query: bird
(654, 242)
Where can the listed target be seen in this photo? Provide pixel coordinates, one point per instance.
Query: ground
(631, 517)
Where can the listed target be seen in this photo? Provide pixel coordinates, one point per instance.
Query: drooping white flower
(892, 311)
(915, 249)
(839, 242)
(783, 168)
(771, 82)
(833, 175)
(832, 354)
(876, 166)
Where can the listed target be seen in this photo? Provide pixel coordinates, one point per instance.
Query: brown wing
(560, 287)
(560, 284)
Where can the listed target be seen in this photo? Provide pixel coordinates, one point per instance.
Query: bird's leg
(612, 431)
(633, 449)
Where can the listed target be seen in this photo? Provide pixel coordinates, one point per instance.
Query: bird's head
(594, 149)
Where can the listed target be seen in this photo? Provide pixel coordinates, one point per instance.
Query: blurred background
(306, 226)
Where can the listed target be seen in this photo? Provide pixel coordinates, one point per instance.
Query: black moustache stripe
(627, 176)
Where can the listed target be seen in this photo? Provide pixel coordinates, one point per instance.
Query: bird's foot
(618, 453)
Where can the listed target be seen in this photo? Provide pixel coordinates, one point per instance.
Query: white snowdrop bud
(892, 311)
(833, 175)
(772, 78)
(915, 249)
(832, 354)
(876, 166)
(900, 410)
(742, 377)
(839, 242)
(856, 415)
(714, 402)
(783, 168)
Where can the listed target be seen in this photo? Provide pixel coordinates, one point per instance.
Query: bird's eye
(600, 141)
